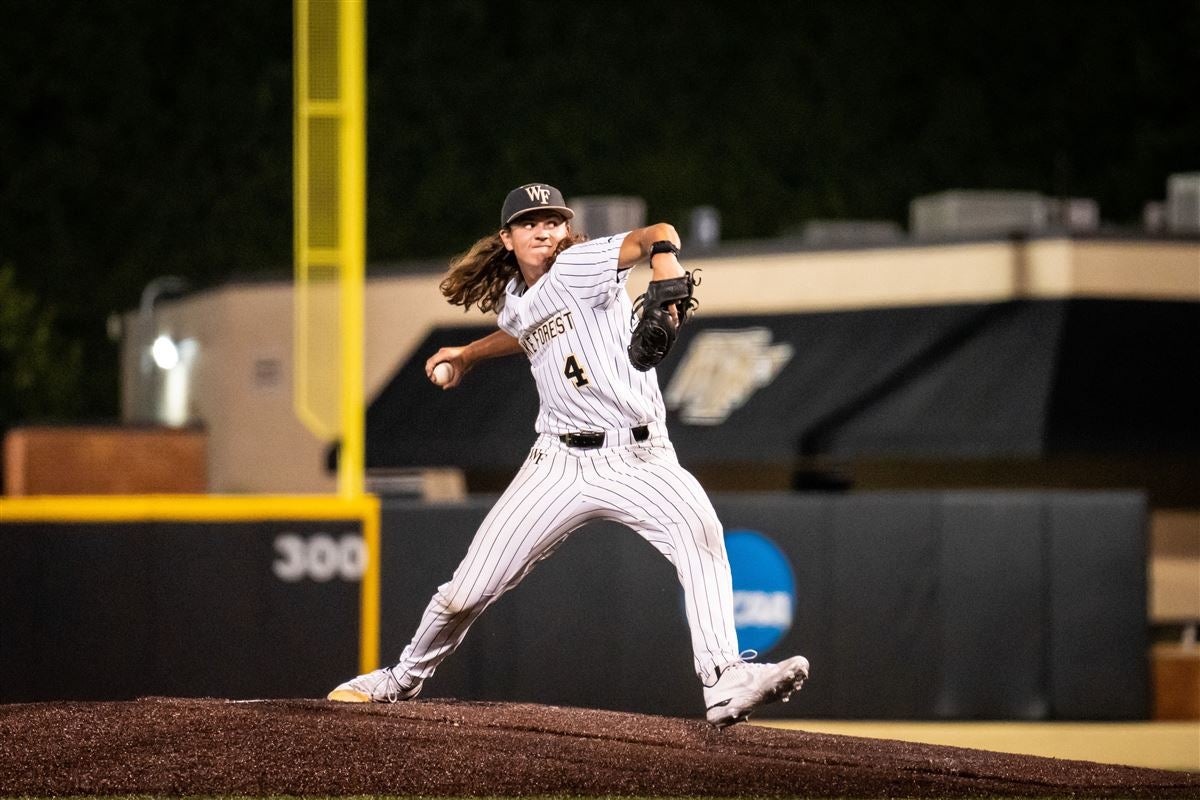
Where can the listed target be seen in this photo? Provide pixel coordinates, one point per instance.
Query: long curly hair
(478, 276)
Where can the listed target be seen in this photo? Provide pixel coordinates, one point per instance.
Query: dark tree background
(140, 138)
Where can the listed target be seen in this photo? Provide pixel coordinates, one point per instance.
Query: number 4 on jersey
(575, 372)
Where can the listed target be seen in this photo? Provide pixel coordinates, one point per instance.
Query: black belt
(590, 439)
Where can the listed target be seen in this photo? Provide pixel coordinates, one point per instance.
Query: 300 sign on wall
(319, 557)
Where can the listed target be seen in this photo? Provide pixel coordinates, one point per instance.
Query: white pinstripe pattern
(574, 324)
(580, 309)
(558, 490)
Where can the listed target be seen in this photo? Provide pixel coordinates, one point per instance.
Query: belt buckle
(584, 439)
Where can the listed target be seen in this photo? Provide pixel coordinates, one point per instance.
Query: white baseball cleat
(380, 686)
(742, 687)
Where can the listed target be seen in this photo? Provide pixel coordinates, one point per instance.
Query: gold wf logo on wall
(721, 370)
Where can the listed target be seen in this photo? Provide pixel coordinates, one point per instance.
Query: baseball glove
(655, 331)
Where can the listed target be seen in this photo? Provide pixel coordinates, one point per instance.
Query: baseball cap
(533, 197)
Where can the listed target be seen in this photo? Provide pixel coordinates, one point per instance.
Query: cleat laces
(382, 685)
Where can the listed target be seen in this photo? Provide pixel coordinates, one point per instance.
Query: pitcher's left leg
(648, 490)
(667, 507)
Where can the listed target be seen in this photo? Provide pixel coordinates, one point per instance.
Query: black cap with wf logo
(533, 197)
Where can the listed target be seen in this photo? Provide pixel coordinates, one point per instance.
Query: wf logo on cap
(533, 197)
(539, 194)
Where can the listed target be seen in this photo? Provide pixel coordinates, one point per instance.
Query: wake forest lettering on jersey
(540, 334)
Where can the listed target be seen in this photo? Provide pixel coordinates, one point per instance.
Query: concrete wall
(242, 391)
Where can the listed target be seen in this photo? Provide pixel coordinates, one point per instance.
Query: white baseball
(442, 373)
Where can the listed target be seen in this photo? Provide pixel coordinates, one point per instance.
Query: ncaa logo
(764, 589)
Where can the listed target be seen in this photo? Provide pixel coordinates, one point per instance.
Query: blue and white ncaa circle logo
(764, 589)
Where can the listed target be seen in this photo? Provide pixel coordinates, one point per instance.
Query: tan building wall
(242, 382)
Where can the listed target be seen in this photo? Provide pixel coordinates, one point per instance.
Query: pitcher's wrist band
(663, 247)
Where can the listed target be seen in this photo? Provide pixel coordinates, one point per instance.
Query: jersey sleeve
(589, 270)
(508, 319)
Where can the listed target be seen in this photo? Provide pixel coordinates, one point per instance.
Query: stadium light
(161, 383)
(165, 352)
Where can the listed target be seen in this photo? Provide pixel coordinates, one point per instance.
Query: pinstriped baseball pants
(559, 489)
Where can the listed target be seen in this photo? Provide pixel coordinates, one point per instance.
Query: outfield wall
(911, 605)
(113, 598)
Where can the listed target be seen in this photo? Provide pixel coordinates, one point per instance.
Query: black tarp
(1023, 380)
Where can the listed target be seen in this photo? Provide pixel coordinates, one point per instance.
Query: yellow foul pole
(330, 226)
(352, 57)
(330, 234)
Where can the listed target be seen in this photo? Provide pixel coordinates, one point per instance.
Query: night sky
(140, 138)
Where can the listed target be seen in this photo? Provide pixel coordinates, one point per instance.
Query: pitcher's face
(534, 238)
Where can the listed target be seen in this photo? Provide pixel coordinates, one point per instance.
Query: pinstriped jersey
(574, 325)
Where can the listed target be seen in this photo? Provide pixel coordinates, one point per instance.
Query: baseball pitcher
(602, 450)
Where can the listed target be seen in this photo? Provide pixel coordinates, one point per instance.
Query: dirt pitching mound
(313, 747)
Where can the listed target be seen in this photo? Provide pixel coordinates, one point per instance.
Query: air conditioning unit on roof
(850, 232)
(598, 216)
(1183, 202)
(964, 213)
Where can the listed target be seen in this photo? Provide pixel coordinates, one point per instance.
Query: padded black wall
(1014, 605)
(1001, 605)
(110, 611)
